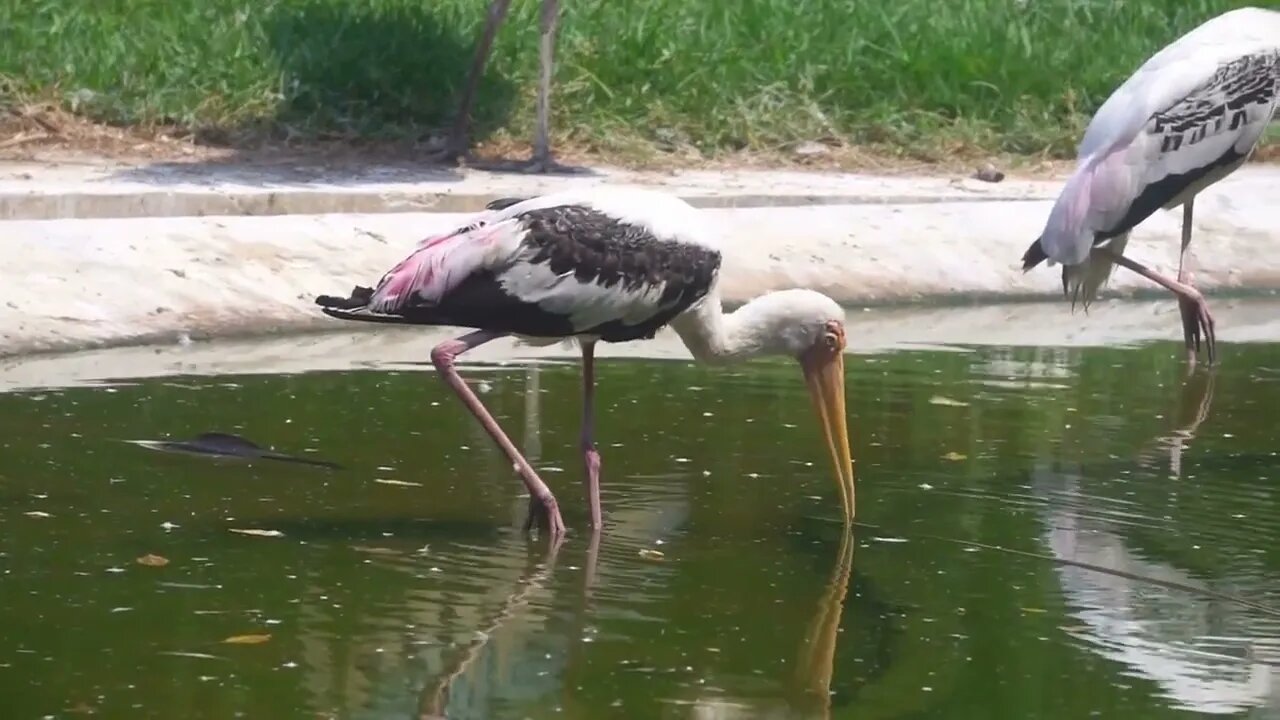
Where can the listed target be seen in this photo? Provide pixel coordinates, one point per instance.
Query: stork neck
(714, 336)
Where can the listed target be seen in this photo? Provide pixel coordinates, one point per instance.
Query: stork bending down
(1190, 116)
(609, 265)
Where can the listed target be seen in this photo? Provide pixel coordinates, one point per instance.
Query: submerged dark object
(226, 445)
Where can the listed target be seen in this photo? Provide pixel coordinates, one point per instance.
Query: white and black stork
(610, 265)
(1188, 117)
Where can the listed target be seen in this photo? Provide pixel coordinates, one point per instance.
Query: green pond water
(400, 586)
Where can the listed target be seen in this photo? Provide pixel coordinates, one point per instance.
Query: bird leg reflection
(817, 659)
(590, 457)
(532, 412)
(543, 509)
(434, 698)
(1195, 400)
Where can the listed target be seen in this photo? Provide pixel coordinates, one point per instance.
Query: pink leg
(1186, 294)
(590, 457)
(1190, 311)
(542, 504)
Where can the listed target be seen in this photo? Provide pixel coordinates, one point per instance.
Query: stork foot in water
(1197, 322)
(544, 512)
(1195, 315)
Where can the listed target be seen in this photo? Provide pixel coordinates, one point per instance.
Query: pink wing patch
(440, 263)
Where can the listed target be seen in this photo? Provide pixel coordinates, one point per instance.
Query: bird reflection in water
(818, 653)
(1195, 398)
(808, 691)
(434, 698)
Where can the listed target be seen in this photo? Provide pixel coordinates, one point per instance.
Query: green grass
(1011, 76)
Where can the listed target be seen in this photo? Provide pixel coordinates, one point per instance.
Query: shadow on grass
(362, 83)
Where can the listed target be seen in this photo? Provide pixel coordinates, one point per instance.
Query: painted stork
(456, 144)
(610, 265)
(1191, 115)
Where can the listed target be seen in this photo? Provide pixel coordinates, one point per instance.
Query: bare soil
(44, 133)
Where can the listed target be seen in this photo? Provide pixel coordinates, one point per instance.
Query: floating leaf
(247, 639)
(648, 554)
(953, 455)
(1034, 610)
(401, 483)
(257, 532)
(948, 402)
(153, 560)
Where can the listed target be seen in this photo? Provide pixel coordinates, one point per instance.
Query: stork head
(809, 327)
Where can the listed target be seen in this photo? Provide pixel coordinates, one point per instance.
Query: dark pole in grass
(459, 134)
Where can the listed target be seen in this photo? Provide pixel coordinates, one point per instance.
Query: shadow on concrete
(363, 84)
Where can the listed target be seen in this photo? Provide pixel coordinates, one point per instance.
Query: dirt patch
(45, 133)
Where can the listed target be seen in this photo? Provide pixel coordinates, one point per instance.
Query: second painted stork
(1188, 117)
(602, 265)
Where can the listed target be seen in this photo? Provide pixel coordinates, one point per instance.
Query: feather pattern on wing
(1188, 117)
(615, 264)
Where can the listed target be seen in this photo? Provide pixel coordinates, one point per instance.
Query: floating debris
(955, 456)
(401, 483)
(247, 639)
(255, 532)
(946, 401)
(227, 446)
(648, 554)
(199, 656)
(153, 560)
(37, 514)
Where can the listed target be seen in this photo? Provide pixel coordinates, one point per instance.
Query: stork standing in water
(456, 143)
(609, 265)
(1191, 115)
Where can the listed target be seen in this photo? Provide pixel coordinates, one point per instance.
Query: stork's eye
(833, 336)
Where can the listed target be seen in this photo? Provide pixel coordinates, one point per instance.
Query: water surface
(399, 586)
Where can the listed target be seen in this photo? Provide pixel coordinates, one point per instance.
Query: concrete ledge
(40, 192)
(84, 282)
(1111, 323)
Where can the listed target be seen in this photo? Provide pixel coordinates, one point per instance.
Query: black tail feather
(359, 298)
(1033, 256)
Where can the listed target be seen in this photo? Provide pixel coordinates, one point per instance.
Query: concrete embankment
(100, 254)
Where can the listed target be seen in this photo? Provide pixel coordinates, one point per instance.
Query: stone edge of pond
(100, 281)
(44, 191)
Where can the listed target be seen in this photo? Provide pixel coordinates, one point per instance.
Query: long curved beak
(824, 374)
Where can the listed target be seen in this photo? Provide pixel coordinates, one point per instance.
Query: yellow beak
(824, 374)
